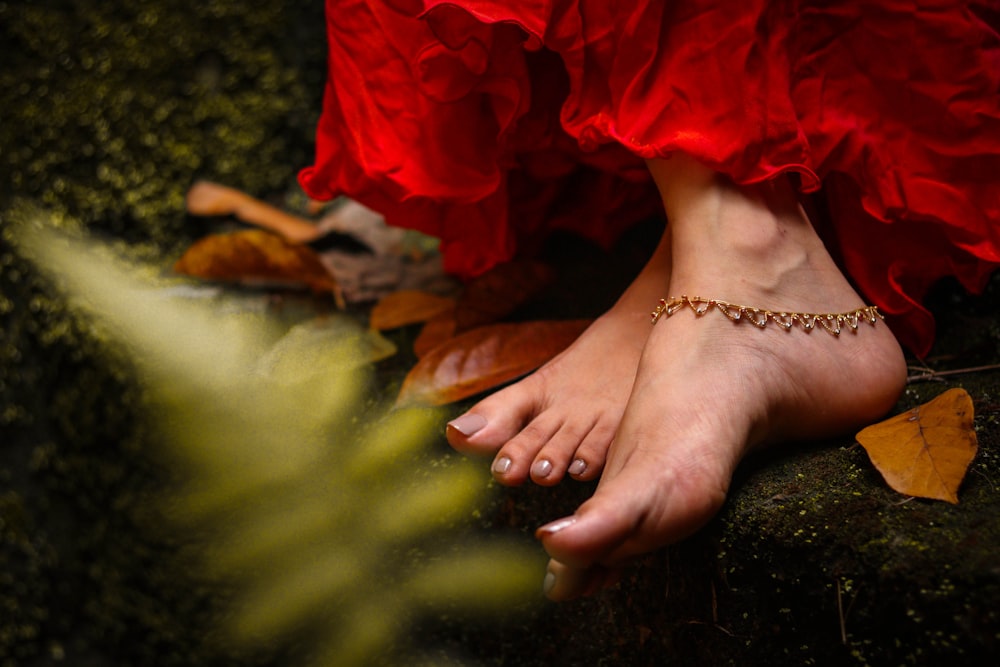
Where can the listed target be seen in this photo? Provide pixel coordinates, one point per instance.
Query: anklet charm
(759, 317)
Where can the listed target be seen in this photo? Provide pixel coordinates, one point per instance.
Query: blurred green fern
(328, 522)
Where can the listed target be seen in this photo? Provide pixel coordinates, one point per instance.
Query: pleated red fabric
(489, 124)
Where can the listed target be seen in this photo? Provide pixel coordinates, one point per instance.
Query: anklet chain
(759, 317)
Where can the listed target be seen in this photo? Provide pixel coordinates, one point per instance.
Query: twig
(666, 591)
(714, 625)
(986, 477)
(840, 614)
(844, 613)
(715, 605)
(933, 375)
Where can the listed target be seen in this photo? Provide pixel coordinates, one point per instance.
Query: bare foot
(561, 419)
(707, 389)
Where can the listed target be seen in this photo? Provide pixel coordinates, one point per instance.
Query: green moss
(112, 108)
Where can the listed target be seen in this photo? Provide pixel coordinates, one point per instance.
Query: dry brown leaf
(408, 307)
(257, 256)
(498, 292)
(434, 333)
(926, 451)
(484, 358)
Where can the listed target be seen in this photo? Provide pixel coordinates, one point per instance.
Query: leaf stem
(932, 374)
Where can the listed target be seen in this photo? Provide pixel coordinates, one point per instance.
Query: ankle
(746, 239)
(707, 206)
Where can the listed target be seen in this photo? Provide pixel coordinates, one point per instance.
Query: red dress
(488, 123)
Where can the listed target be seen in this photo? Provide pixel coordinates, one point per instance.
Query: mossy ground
(111, 109)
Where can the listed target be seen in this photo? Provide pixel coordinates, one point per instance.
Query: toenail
(501, 465)
(555, 526)
(468, 424)
(549, 583)
(578, 467)
(541, 468)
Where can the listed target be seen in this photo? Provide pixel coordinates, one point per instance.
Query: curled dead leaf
(399, 309)
(256, 256)
(436, 332)
(926, 451)
(484, 358)
(498, 292)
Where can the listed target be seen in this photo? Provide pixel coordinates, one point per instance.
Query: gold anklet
(832, 322)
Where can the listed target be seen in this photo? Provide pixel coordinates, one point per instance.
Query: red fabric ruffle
(489, 123)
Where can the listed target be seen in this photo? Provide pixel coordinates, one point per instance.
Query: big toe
(489, 424)
(632, 514)
(563, 582)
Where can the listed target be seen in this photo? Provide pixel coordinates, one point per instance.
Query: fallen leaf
(484, 358)
(205, 198)
(399, 309)
(498, 292)
(257, 256)
(925, 452)
(436, 332)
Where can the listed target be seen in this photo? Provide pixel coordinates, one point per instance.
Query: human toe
(467, 425)
(492, 422)
(586, 538)
(541, 470)
(556, 454)
(634, 513)
(563, 582)
(521, 457)
(587, 461)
